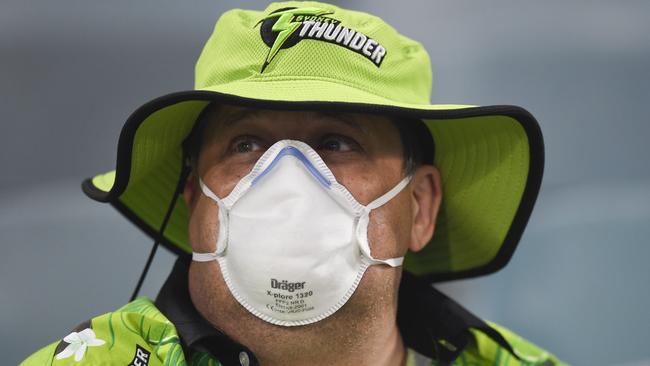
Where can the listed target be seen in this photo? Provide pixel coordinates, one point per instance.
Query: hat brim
(491, 161)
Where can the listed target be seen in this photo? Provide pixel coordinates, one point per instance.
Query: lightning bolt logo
(285, 26)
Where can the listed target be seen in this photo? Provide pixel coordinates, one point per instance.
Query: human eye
(246, 144)
(337, 143)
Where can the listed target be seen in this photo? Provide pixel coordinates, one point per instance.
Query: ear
(190, 190)
(426, 196)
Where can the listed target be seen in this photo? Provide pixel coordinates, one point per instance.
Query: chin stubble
(344, 334)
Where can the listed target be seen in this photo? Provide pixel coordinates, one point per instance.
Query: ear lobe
(427, 196)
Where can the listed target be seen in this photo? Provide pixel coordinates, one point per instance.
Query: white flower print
(78, 344)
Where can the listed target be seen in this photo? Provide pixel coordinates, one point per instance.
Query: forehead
(225, 116)
(218, 119)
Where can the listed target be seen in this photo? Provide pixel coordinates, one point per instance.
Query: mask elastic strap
(207, 257)
(390, 194)
(383, 199)
(393, 262)
(204, 257)
(206, 191)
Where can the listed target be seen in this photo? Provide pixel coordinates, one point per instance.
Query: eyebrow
(234, 118)
(343, 118)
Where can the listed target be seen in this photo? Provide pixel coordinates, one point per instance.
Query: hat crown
(306, 41)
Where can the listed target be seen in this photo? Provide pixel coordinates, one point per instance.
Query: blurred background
(71, 72)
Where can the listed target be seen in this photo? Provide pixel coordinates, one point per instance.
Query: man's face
(365, 154)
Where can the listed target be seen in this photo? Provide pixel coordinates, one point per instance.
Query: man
(312, 168)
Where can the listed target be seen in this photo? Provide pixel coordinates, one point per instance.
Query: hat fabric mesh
(404, 75)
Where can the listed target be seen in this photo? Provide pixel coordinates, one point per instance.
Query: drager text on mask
(286, 285)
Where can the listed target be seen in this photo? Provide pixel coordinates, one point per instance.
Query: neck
(363, 332)
(381, 345)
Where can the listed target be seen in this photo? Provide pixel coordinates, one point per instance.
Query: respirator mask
(293, 243)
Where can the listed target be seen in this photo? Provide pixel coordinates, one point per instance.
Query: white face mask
(293, 242)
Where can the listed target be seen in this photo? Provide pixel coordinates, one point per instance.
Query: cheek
(370, 178)
(203, 225)
(210, 294)
(224, 178)
(390, 228)
(363, 186)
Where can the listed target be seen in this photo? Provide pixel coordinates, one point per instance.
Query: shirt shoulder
(136, 334)
(485, 351)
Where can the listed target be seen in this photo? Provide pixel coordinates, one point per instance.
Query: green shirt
(170, 332)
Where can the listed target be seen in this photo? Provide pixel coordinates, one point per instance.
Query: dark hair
(193, 142)
(417, 143)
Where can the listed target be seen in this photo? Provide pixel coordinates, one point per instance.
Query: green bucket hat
(315, 56)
